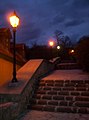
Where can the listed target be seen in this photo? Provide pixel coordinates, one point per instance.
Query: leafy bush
(82, 53)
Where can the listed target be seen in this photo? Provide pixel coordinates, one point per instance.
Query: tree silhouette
(62, 39)
(82, 52)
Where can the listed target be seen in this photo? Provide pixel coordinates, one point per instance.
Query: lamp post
(51, 43)
(14, 21)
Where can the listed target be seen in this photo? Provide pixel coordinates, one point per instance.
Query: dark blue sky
(40, 18)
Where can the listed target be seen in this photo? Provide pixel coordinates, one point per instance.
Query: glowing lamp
(58, 47)
(14, 20)
(51, 43)
(72, 51)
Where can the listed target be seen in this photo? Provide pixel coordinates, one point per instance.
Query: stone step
(60, 100)
(42, 102)
(67, 66)
(61, 96)
(64, 83)
(65, 86)
(63, 90)
(67, 109)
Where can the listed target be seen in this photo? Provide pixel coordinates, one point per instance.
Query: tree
(82, 52)
(65, 43)
(62, 39)
(58, 36)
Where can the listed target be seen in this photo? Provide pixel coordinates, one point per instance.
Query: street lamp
(14, 21)
(51, 43)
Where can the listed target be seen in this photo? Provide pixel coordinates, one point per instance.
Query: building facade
(5, 38)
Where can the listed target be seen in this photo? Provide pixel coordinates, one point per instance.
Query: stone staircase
(67, 66)
(71, 96)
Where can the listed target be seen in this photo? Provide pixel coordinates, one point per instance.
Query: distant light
(51, 43)
(72, 51)
(58, 47)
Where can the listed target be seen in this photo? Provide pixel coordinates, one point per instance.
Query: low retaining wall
(22, 92)
(8, 111)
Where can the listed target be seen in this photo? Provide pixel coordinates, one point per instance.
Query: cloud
(58, 19)
(81, 3)
(40, 18)
(30, 32)
(73, 22)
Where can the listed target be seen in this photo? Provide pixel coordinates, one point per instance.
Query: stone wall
(25, 95)
(44, 68)
(8, 111)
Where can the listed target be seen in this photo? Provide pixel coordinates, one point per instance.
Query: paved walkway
(39, 115)
(58, 75)
(75, 74)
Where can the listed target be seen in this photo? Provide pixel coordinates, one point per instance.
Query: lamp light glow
(72, 51)
(14, 20)
(58, 47)
(51, 43)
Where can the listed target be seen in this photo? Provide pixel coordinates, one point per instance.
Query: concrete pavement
(39, 115)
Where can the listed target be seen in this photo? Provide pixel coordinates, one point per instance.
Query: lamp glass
(51, 43)
(14, 21)
(58, 47)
